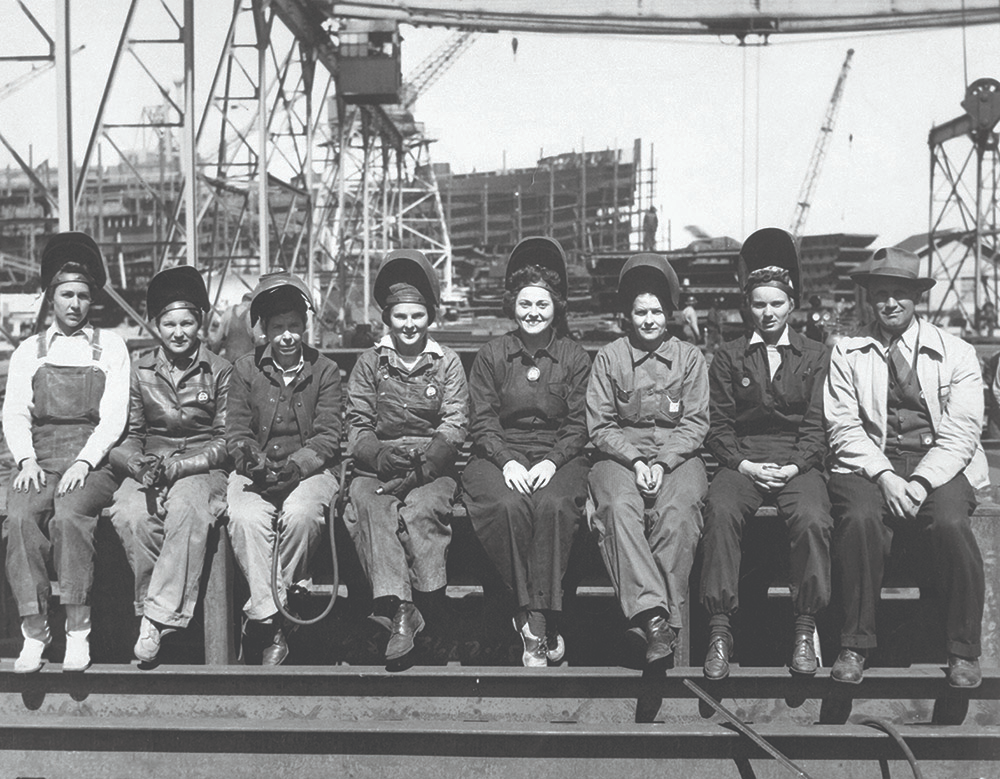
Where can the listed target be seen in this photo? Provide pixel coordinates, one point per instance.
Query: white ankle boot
(36, 640)
(77, 656)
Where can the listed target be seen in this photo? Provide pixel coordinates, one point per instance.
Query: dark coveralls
(528, 408)
(402, 541)
(41, 525)
(165, 529)
(779, 421)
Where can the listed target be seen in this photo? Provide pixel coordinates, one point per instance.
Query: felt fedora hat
(892, 263)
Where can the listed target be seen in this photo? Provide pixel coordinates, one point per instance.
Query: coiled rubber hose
(336, 506)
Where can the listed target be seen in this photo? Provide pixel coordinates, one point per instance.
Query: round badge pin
(534, 373)
(431, 391)
(203, 397)
(746, 381)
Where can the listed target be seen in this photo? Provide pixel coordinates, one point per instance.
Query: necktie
(899, 369)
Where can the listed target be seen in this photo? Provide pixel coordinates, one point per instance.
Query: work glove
(438, 458)
(144, 468)
(280, 483)
(248, 460)
(392, 461)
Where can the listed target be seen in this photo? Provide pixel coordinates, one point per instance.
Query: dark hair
(534, 276)
(284, 305)
(662, 295)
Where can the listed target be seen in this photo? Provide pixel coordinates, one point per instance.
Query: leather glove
(144, 468)
(392, 461)
(170, 471)
(248, 460)
(282, 482)
(438, 457)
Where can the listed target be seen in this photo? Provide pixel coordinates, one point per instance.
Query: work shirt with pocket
(650, 406)
(529, 407)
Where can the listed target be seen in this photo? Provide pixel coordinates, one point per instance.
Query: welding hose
(331, 515)
(889, 730)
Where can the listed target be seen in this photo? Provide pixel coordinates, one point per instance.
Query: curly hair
(772, 276)
(537, 276)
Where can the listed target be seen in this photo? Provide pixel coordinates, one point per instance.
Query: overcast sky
(690, 98)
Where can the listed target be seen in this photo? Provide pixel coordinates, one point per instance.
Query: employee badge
(431, 391)
(534, 373)
(746, 381)
(203, 397)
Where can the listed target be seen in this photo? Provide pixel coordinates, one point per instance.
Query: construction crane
(435, 65)
(819, 152)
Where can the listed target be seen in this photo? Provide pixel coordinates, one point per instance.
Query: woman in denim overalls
(407, 412)
(66, 404)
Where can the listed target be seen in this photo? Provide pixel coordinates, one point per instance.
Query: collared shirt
(773, 352)
(287, 374)
(73, 350)
(761, 417)
(258, 396)
(855, 402)
(389, 399)
(529, 407)
(645, 405)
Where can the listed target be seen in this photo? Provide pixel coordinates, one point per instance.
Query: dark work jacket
(529, 421)
(185, 422)
(756, 419)
(256, 393)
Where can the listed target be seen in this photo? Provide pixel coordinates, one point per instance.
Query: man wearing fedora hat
(903, 408)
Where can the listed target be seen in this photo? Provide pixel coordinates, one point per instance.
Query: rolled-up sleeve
(686, 439)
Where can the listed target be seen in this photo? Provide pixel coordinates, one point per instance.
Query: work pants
(402, 542)
(804, 506)
(165, 532)
(649, 568)
(528, 537)
(298, 521)
(42, 527)
(938, 546)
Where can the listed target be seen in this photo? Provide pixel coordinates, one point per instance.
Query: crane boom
(804, 200)
(435, 65)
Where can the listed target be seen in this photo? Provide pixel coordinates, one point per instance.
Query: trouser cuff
(963, 649)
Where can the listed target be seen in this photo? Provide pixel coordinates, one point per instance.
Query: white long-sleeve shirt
(73, 350)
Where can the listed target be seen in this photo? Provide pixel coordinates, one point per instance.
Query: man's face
(894, 302)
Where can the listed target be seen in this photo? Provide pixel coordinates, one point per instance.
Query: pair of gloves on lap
(270, 480)
(153, 470)
(400, 469)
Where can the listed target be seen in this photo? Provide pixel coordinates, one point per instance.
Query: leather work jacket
(186, 421)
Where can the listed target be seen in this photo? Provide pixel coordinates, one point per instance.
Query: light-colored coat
(856, 396)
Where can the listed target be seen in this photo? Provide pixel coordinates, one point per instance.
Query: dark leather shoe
(804, 660)
(276, 650)
(405, 626)
(660, 640)
(964, 672)
(717, 657)
(849, 667)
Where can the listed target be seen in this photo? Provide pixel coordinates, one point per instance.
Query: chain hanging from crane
(804, 200)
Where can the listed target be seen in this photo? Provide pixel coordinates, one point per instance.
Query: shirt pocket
(557, 405)
(671, 408)
(627, 402)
